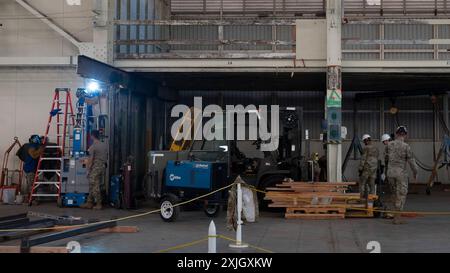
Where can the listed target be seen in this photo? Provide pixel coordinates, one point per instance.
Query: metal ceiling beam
(37, 61)
(49, 23)
(278, 22)
(391, 21)
(93, 69)
(213, 22)
(209, 55)
(395, 94)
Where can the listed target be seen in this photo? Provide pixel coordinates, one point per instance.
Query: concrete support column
(333, 100)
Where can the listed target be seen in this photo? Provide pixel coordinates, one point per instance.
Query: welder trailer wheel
(212, 210)
(168, 212)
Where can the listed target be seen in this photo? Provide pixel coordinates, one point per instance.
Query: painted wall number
(374, 246)
(74, 247)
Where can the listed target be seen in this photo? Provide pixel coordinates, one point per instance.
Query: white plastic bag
(8, 195)
(248, 205)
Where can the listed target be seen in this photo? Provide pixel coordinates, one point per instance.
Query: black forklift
(177, 176)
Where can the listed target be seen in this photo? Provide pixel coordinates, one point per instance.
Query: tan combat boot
(98, 206)
(87, 205)
(397, 220)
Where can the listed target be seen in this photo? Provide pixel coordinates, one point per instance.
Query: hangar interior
(393, 60)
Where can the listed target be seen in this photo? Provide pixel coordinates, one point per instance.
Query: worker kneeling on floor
(96, 164)
(398, 155)
(368, 168)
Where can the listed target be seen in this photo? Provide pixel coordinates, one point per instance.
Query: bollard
(238, 243)
(212, 238)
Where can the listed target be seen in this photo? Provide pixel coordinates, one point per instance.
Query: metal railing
(369, 39)
(301, 7)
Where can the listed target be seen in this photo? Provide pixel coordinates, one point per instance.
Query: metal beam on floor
(27, 243)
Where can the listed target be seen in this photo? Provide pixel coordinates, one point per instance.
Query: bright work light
(93, 87)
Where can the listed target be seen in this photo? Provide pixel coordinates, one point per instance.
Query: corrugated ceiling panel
(194, 33)
(444, 33)
(248, 33)
(360, 32)
(360, 56)
(408, 32)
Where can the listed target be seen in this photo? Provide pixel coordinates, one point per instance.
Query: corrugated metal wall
(415, 112)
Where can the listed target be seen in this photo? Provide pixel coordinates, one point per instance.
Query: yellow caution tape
(195, 199)
(119, 219)
(185, 245)
(253, 188)
(182, 246)
(252, 246)
(403, 212)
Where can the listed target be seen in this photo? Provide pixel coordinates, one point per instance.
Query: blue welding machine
(74, 199)
(194, 174)
(185, 180)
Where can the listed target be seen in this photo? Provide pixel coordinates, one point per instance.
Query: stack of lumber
(319, 200)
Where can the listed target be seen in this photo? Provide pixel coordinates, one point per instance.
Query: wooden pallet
(315, 210)
(317, 200)
(317, 216)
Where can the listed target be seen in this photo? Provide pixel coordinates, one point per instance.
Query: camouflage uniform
(398, 154)
(388, 195)
(95, 177)
(99, 154)
(368, 170)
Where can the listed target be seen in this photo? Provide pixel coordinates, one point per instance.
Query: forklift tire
(168, 212)
(212, 210)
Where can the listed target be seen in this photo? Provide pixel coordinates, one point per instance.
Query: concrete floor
(272, 232)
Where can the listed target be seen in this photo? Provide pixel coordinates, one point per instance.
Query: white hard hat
(385, 137)
(366, 136)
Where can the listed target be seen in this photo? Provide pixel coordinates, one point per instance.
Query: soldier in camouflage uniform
(368, 168)
(98, 155)
(398, 155)
(387, 197)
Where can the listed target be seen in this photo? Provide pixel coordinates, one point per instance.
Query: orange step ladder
(63, 119)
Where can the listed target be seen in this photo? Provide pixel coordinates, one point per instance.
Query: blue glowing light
(93, 87)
